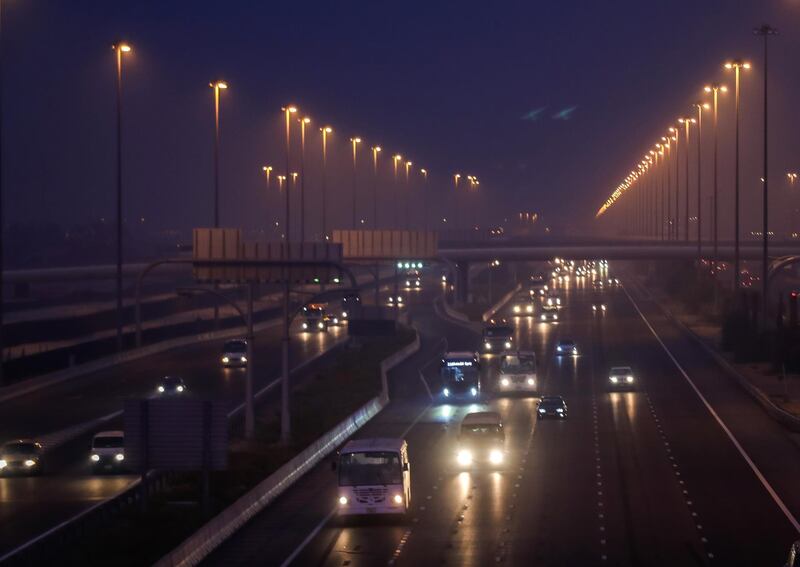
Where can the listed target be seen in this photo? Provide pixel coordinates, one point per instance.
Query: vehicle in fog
(566, 347)
(552, 406)
(374, 477)
(481, 440)
(497, 337)
(107, 453)
(621, 377)
(21, 457)
(413, 279)
(395, 301)
(171, 386)
(551, 299)
(599, 307)
(461, 375)
(316, 317)
(351, 302)
(523, 305)
(234, 353)
(517, 372)
(549, 313)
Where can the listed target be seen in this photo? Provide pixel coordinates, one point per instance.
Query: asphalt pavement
(650, 476)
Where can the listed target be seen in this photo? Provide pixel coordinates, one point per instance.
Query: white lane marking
(765, 483)
(309, 537)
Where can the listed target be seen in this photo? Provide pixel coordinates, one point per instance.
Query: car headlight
(594, 307)
(243, 359)
(508, 344)
(417, 283)
(555, 315)
(344, 314)
(161, 389)
(335, 320)
(542, 410)
(614, 379)
(464, 457)
(398, 499)
(517, 309)
(575, 351)
(399, 300)
(446, 392)
(529, 309)
(629, 379)
(531, 381)
(179, 389)
(320, 325)
(305, 326)
(544, 317)
(495, 456)
(558, 348)
(119, 457)
(343, 500)
(408, 283)
(504, 382)
(559, 410)
(30, 463)
(473, 391)
(488, 345)
(225, 360)
(603, 307)
(95, 457)
(3, 464)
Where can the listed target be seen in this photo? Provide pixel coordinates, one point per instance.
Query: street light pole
(354, 142)
(119, 49)
(699, 106)
(2, 224)
(737, 66)
(325, 131)
(395, 159)
(686, 121)
(408, 198)
(303, 122)
(375, 151)
(217, 86)
(456, 177)
(765, 31)
(286, 422)
(715, 88)
(424, 173)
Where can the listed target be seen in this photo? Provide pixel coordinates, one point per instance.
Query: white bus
(517, 372)
(374, 477)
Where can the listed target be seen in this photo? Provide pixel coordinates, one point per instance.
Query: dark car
(171, 386)
(566, 347)
(552, 406)
(351, 301)
(234, 353)
(23, 457)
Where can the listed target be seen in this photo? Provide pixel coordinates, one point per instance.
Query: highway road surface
(685, 469)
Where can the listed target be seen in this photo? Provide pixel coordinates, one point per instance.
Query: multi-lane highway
(684, 470)
(32, 505)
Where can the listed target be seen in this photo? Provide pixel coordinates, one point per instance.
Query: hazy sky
(446, 84)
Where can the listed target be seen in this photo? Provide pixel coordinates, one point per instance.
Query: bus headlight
(495, 456)
(531, 381)
(446, 392)
(504, 382)
(343, 500)
(398, 499)
(529, 309)
(488, 345)
(95, 458)
(119, 457)
(464, 457)
(473, 391)
(508, 344)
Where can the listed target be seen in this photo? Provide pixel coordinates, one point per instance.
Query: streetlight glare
(326, 129)
(291, 109)
(377, 148)
(306, 120)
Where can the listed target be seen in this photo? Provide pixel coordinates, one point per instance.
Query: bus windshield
(459, 374)
(374, 467)
(522, 364)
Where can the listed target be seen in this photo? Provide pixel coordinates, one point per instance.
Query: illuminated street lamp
(699, 106)
(715, 89)
(267, 169)
(305, 120)
(737, 65)
(326, 130)
(288, 111)
(456, 177)
(424, 173)
(354, 142)
(119, 49)
(686, 121)
(395, 159)
(217, 86)
(375, 151)
(408, 197)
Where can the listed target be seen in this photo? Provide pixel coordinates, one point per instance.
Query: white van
(374, 477)
(108, 451)
(517, 372)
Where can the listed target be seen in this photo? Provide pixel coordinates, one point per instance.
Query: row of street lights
(644, 206)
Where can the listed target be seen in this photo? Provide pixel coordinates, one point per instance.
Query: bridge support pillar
(462, 283)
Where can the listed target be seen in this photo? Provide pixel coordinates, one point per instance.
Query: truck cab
(374, 477)
(497, 337)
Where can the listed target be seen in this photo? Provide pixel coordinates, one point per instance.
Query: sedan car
(552, 406)
(599, 307)
(621, 377)
(23, 457)
(171, 386)
(549, 314)
(566, 347)
(234, 353)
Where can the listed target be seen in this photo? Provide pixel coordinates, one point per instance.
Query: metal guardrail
(497, 306)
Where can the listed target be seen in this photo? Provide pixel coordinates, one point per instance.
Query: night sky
(445, 84)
